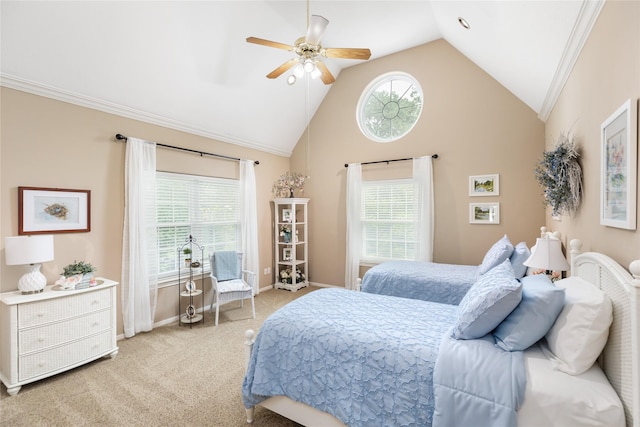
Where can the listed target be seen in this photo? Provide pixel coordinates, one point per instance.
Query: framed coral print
(53, 210)
(484, 185)
(618, 154)
(484, 213)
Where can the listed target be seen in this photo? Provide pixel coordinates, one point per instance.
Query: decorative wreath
(560, 175)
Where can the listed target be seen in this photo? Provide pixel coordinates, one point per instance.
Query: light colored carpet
(171, 376)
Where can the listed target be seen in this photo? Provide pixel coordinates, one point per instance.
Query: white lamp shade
(547, 254)
(21, 250)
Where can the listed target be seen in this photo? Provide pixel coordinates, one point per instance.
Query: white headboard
(619, 359)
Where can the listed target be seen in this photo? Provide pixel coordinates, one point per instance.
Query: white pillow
(580, 332)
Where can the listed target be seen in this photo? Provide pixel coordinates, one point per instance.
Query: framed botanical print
(618, 174)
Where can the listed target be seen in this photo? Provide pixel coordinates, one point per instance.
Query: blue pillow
(520, 254)
(541, 304)
(486, 304)
(501, 250)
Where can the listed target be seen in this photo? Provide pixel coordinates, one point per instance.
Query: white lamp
(29, 251)
(547, 255)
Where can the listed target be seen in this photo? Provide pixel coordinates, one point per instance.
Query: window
(389, 218)
(389, 107)
(206, 208)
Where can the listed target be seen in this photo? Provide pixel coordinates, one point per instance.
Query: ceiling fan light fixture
(315, 73)
(298, 71)
(308, 65)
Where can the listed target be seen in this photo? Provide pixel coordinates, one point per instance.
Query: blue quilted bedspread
(366, 359)
(428, 281)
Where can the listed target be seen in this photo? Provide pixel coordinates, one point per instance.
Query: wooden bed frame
(619, 360)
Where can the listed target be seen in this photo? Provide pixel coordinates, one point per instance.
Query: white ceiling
(186, 65)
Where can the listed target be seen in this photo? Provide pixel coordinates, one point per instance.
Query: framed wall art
(484, 185)
(484, 213)
(618, 173)
(53, 210)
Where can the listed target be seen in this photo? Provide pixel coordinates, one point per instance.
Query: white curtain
(139, 282)
(354, 228)
(423, 177)
(249, 221)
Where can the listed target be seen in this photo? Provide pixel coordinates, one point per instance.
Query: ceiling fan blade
(283, 68)
(326, 76)
(347, 53)
(269, 43)
(317, 25)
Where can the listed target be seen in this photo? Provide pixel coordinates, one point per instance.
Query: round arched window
(389, 107)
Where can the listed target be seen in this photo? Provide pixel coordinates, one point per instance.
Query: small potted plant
(79, 274)
(187, 254)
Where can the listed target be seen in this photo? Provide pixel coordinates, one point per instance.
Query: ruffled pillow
(497, 253)
(486, 304)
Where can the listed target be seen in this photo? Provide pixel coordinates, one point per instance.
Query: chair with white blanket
(227, 281)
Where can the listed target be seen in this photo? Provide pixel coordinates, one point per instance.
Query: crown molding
(24, 85)
(587, 17)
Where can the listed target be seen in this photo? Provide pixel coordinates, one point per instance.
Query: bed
(403, 378)
(440, 282)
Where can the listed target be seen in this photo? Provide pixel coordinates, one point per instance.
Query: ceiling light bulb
(316, 73)
(309, 66)
(291, 79)
(298, 71)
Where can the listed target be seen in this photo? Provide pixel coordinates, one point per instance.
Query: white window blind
(389, 218)
(206, 208)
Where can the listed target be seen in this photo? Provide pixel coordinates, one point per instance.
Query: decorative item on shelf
(287, 183)
(29, 251)
(286, 275)
(196, 264)
(78, 275)
(285, 233)
(560, 175)
(191, 311)
(190, 286)
(187, 254)
(547, 256)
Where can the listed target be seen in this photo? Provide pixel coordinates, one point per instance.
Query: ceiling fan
(309, 52)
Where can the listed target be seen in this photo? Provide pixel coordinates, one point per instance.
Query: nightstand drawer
(38, 313)
(39, 338)
(60, 358)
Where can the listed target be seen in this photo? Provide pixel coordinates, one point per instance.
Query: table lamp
(29, 251)
(547, 255)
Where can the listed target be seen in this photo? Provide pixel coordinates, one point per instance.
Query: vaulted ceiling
(186, 64)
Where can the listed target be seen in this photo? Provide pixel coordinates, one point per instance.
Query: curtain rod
(121, 137)
(346, 165)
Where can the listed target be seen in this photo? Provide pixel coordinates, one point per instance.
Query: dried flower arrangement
(287, 183)
(560, 175)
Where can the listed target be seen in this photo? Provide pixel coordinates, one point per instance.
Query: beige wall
(472, 122)
(606, 75)
(47, 143)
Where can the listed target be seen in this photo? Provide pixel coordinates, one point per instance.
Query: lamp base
(33, 281)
